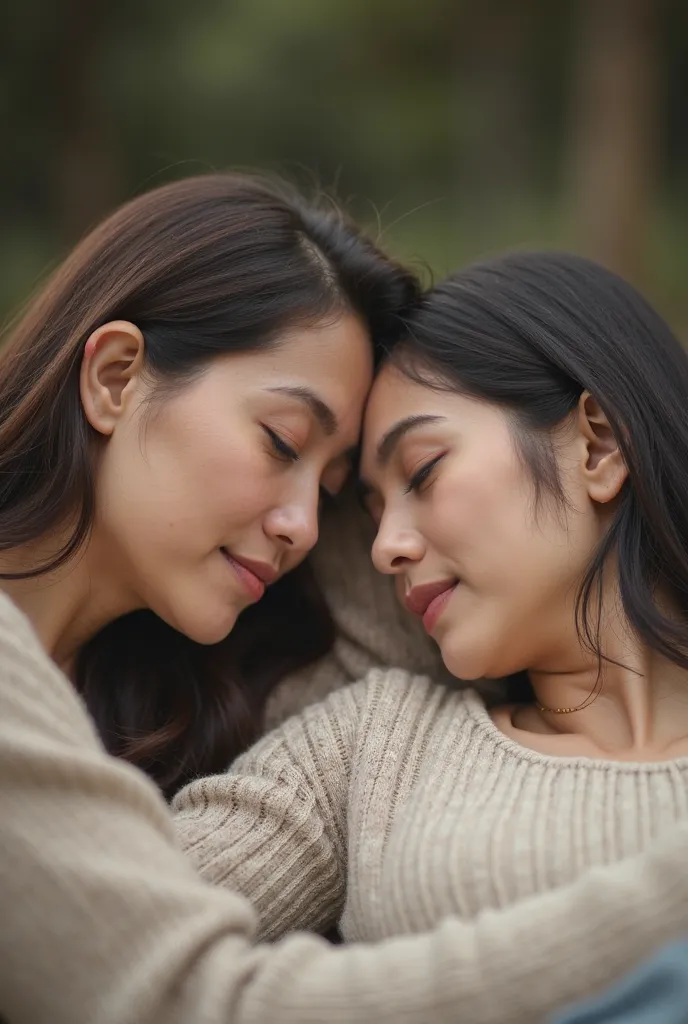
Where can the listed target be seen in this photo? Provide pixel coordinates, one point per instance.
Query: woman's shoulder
(395, 695)
(382, 693)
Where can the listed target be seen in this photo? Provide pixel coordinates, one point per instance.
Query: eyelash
(281, 448)
(419, 478)
(285, 451)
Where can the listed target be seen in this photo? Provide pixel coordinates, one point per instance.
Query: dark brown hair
(204, 266)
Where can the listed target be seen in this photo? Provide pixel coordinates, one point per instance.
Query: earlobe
(605, 470)
(110, 367)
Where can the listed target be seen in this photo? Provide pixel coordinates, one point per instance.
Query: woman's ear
(604, 470)
(110, 368)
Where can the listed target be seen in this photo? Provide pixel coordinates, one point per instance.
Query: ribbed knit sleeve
(274, 826)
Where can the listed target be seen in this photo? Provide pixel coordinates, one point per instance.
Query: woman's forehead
(394, 396)
(395, 403)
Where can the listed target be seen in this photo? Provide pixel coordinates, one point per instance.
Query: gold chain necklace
(560, 711)
(567, 711)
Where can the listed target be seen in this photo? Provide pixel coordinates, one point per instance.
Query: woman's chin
(465, 663)
(207, 629)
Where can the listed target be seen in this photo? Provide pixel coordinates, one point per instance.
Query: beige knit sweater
(103, 921)
(397, 802)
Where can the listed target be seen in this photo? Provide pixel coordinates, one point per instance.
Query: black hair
(530, 332)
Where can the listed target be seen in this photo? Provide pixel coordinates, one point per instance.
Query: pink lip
(428, 599)
(255, 576)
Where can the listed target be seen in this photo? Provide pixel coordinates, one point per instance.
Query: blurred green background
(450, 128)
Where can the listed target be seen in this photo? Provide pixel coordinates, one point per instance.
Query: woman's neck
(640, 707)
(632, 702)
(69, 605)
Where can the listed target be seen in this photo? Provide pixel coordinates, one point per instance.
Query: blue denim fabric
(654, 993)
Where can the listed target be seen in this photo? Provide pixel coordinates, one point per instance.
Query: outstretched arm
(273, 827)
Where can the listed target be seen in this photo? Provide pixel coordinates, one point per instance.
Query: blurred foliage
(450, 128)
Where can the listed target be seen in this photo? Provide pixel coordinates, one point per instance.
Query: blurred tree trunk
(494, 115)
(615, 130)
(83, 179)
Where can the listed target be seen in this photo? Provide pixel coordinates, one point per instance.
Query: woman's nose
(294, 527)
(395, 546)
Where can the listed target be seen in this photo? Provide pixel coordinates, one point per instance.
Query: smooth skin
(189, 480)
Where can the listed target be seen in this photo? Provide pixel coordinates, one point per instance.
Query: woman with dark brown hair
(174, 407)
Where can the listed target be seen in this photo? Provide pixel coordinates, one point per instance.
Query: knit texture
(398, 801)
(105, 922)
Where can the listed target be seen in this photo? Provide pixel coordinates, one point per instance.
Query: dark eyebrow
(385, 448)
(321, 410)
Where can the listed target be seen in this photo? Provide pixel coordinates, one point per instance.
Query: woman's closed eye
(280, 447)
(286, 453)
(422, 475)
